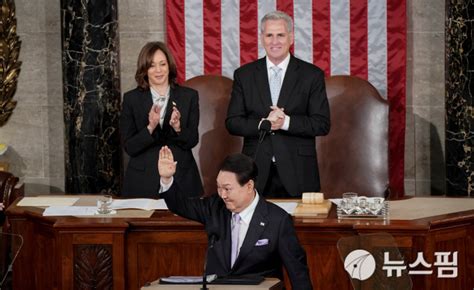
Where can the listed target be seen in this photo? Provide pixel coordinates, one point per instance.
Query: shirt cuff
(286, 123)
(165, 187)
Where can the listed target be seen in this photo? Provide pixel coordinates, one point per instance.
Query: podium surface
(268, 283)
(125, 253)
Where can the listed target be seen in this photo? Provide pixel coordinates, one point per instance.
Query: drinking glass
(349, 200)
(103, 204)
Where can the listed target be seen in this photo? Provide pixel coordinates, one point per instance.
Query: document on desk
(186, 279)
(139, 203)
(47, 201)
(289, 207)
(70, 211)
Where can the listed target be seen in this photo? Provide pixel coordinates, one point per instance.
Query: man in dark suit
(291, 94)
(254, 236)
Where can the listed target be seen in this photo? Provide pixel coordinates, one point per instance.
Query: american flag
(364, 38)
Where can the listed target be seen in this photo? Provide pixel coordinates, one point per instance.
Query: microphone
(265, 127)
(213, 235)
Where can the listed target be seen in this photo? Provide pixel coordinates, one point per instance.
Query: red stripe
(358, 38)
(212, 37)
(287, 7)
(175, 35)
(322, 35)
(248, 31)
(396, 66)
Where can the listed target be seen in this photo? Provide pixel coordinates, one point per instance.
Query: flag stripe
(322, 35)
(230, 37)
(365, 38)
(377, 48)
(303, 30)
(396, 69)
(175, 39)
(287, 7)
(212, 37)
(248, 35)
(358, 38)
(340, 33)
(193, 38)
(264, 7)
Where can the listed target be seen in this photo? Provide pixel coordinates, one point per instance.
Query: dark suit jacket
(269, 222)
(303, 96)
(141, 177)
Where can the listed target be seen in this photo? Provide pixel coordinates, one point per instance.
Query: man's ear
(251, 184)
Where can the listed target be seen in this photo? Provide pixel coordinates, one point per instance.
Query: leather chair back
(354, 155)
(215, 143)
(10, 190)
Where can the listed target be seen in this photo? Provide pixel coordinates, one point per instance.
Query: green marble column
(91, 83)
(459, 97)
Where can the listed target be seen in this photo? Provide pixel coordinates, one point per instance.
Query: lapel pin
(262, 224)
(174, 104)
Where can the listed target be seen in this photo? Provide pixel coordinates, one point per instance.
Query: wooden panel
(145, 249)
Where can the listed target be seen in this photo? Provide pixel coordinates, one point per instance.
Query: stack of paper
(139, 203)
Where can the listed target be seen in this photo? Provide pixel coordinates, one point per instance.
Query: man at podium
(252, 236)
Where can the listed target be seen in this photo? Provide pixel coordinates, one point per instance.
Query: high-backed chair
(215, 142)
(10, 189)
(354, 155)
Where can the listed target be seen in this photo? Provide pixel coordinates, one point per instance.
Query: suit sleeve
(316, 121)
(293, 256)
(189, 135)
(135, 140)
(196, 209)
(238, 122)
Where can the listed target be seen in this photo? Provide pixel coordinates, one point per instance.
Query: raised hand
(153, 118)
(175, 120)
(166, 165)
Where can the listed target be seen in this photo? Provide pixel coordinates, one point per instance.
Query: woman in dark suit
(159, 112)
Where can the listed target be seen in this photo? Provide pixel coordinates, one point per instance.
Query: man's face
(276, 40)
(236, 197)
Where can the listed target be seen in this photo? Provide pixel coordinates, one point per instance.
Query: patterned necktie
(161, 101)
(235, 238)
(275, 84)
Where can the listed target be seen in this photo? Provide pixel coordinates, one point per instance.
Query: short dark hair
(145, 58)
(243, 166)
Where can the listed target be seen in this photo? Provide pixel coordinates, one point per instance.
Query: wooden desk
(268, 284)
(75, 253)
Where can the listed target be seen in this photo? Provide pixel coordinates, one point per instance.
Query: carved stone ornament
(9, 65)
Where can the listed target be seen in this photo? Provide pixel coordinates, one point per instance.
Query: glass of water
(349, 200)
(104, 204)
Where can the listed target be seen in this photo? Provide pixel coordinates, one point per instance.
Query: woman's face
(158, 72)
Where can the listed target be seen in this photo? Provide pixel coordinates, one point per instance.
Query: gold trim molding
(9, 65)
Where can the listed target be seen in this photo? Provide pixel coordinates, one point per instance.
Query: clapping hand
(166, 165)
(175, 120)
(153, 118)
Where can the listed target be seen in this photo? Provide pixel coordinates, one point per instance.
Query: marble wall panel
(459, 98)
(141, 16)
(429, 155)
(425, 98)
(91, 85)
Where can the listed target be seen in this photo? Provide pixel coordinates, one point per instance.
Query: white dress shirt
(155, 95)
(284, 66)
(245, 218)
